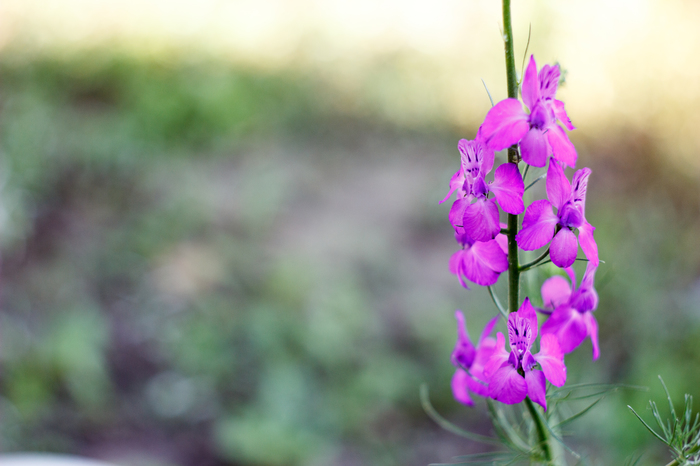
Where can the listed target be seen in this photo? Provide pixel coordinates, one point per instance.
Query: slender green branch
(527, 169)
(541, 177)
(498, 304)
(542, 431)
(513, 157)
(532, 264)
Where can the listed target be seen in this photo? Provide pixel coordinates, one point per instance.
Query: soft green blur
(207, 260)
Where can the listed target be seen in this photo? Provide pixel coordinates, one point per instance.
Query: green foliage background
(205, 263)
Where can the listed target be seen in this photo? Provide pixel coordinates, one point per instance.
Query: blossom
(466, 357)
(479, 261)
(571, 310)
(512, 375)
(480, 218)
(538, 133)
(541, 224)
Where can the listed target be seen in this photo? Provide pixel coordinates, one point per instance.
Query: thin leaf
(577, 415)
(447, 425)
(646, 425)
(487, 91)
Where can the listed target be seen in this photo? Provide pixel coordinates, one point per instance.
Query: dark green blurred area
(205, 263)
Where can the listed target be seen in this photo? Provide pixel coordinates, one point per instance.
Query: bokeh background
(220, 234)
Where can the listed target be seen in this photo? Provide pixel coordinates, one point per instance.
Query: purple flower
(470, 361)
(479, 261)
(571, 310)
(537, 132)
(480, 218)
(512, 375)
(541, 224)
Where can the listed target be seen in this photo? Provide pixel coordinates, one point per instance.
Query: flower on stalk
(480, 218)
(479, 261)
(470, 361)
(571, 310)
(538, 133)
(512, 375)
(541, 224)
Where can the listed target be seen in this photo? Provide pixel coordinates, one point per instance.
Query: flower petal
(487, 330)
(456, 182)
(535, 148)
(527, 311)
(456, 215)
(507, 386)
(498, 357)
(555, 291)
(549, 81)
(568, 326)
(464, 351)
(508, 187)
(459, 387)
(538, 226)
(561, 115)
(563, 249)
(558, 186)
(562, 149)
(505, 124)
(586, 297)
(551, 359)
(484, 262)
(579, 183)
(536, 387)
(588, 244)
(531, 85)
(593, 332)
(455, 266)
(480, 220)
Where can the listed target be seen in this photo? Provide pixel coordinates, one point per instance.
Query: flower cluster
(487, 369)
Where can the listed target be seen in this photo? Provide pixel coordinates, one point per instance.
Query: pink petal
(456, 215)
(478, 387)
(505, 124)
(579, 182)
(563, 249)
(555, 291)
(586, 297)
(536, 387)
(488, 154)
(484, 262)
(588, 244)
(593, 332)
(531, 85)
(526, 311)
(558, 186)
(456, 182)
(508, 187)
(480, 220)
(464, 351)
(562, 149)
(459, 387)
(455, 266)
(549, 81)
(538, 226)
(507, 386)
(502, 240)
(535, 148)
(498, 357)
(551, 359)
(568, 326)
(487, 330)
(561, 115)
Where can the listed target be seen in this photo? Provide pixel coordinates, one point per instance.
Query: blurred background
(220, 234)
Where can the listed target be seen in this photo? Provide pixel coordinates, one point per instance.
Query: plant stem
(542, 432)
(513, 157)
(530, 265)
(513, 266)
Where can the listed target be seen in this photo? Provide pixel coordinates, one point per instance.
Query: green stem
(513, 157)
(542, 431)
(530, 265)
(513, 266)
